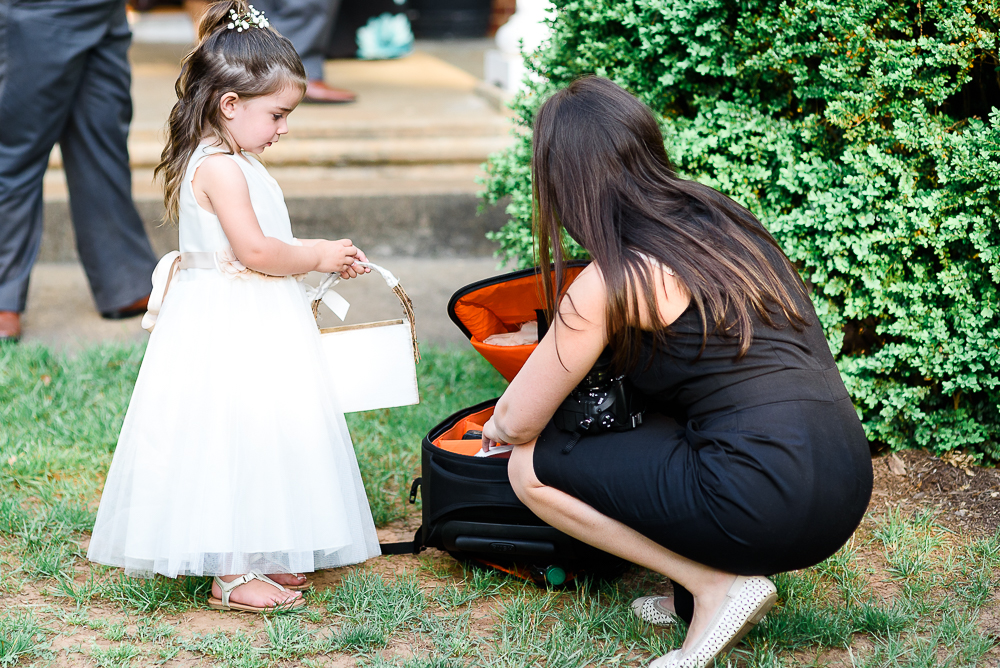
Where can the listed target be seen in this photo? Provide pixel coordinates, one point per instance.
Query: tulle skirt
(233, 455)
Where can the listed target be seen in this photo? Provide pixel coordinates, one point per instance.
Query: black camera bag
(469, 507)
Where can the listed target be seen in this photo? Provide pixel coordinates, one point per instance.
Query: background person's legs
(307, 24)
(41, 59)
(112, 242)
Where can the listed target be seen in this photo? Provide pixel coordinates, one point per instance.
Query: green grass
(21, 636)
(154, 594)
(903, 593)
(115, 656)
(236, 650)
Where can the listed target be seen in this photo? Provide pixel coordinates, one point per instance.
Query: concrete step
(378, 128)
(413, 225)
(373, 151)
(395, 172)
(416, 110)
(427, 211)
(60, 311)
(323, 180)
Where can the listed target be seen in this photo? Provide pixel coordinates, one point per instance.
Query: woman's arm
(221, 188)
(581, 334)
(563, 357)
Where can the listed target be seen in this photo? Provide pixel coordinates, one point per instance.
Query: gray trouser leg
(110, 236)
(50, 55)
(307, 24)
(39, 73)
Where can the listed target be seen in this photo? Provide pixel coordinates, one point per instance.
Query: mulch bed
(966, 497)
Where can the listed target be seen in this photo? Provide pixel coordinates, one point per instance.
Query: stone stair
(395, 172)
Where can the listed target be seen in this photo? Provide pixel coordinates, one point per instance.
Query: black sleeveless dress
(752, 466)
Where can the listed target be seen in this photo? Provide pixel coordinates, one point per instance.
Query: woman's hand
(491, 436)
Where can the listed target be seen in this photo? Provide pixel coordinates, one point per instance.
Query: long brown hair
(251, 63)
(600, 171)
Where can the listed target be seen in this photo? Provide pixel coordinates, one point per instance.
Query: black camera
(601, 402)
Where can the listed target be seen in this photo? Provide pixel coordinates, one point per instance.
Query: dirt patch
(966, 496)
(965, 499)
(203, 622)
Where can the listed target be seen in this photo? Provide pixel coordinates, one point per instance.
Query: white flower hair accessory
(253, 18)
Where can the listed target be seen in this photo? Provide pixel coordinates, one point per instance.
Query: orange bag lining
(499, 308)
(508, 360)
(503, 307)
(451, 440)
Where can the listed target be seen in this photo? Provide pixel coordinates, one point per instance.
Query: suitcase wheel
(554, 575)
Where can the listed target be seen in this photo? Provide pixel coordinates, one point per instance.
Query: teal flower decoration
(385, 36)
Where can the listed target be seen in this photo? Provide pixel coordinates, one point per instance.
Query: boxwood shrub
(863, 133)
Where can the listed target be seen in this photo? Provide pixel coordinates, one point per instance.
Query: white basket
(383, 353)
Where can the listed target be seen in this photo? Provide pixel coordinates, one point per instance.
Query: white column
(504, 66)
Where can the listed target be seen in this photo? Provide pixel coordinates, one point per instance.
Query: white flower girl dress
(233, 455)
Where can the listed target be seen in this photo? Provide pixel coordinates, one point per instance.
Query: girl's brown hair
(251, 63)
(600, 171)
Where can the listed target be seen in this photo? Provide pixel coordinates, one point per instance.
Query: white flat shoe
(748, 600)
(668, 659)
(651, 610)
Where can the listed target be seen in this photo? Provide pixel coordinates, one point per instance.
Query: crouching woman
(751, 459)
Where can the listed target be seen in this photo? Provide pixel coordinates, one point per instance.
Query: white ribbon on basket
(331, 298)
(390, 280)
(334, 301)
(322, 293)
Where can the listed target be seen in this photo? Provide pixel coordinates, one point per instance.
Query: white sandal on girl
(651, 609)
(306, 584)
(228, 587)
(748, 600)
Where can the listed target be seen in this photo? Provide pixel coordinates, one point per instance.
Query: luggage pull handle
(414, 546)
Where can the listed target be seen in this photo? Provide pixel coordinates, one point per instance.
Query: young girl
(234, 459)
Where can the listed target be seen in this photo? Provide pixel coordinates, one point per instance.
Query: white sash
(224, 261)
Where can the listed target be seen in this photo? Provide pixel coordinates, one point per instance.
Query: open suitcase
(469, 507)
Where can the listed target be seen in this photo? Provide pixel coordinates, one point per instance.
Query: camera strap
(572, 443)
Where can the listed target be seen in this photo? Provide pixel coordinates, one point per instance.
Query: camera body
(601, 402)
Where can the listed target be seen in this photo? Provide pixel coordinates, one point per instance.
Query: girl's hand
(490, 436)
(355, 269)
(337, 256)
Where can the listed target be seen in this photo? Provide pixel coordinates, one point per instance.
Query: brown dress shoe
(10, 326)
(138, 307)
(319, 92)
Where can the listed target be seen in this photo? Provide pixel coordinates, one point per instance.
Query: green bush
(863, 133)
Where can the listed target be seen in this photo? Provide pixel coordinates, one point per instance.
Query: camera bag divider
(469, 507)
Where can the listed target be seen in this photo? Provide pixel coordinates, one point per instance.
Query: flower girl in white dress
(234, 459)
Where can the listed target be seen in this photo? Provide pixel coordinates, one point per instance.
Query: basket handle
(332, 279)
